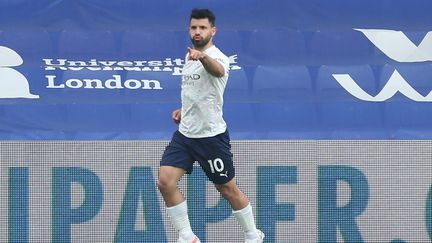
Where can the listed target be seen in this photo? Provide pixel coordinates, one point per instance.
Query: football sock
(246, 220)
(180, 220)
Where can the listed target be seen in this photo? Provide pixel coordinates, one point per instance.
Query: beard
(200, 43)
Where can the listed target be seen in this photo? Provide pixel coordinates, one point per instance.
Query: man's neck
(204, 47)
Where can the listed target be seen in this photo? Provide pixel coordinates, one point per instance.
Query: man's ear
(214, 30)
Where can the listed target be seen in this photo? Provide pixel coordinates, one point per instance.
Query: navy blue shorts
(212, 153)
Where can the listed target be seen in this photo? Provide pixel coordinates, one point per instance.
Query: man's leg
(175, 202)
(215, 158)
(169, 177)
(242, 210)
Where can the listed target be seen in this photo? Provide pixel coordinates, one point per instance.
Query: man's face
(201, 32)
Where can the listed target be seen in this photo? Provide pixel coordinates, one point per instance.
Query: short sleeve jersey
(202, 97)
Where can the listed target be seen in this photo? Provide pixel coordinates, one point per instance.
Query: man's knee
(163, 184)
(228, 190)
(168, 179)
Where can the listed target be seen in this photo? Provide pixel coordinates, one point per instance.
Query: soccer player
(202, 135)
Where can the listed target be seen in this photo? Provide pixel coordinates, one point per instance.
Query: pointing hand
(195, 54)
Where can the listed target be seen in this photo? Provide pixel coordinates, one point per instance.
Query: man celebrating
(202, 135)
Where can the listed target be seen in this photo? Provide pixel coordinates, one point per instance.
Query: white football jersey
(202, 97)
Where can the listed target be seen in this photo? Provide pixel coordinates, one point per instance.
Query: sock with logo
(180, 220)
(247, 222)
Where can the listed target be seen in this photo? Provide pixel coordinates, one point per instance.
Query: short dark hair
(203, 14)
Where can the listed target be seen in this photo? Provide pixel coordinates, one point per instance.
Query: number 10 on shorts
(216, 165)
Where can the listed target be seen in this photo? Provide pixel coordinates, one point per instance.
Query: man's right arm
(211, 65)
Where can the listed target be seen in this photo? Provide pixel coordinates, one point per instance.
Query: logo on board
(398, 47)
(13, 84)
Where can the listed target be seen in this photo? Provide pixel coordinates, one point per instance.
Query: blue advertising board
(299, 69)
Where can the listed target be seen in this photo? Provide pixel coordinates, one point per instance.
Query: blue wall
(284, 55)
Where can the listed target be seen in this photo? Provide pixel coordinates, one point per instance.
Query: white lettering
(108, 63)
(140, 63)
(125, 63)
(61, 62)
(93, 63)
(155, 63)
(89, 84)
(113, 83)
(53, 68)
(233, 59)
(168, 62)
(50, 66)
(235, 67)
(76, 68)
(94, 68)
(77, 63)
(74, 83)
(51, 82)
(132, 69)
(132, 84)
(179, 62)
(166, 65)
(177, 71)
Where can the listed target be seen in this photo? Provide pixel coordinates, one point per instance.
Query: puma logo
(222, 174)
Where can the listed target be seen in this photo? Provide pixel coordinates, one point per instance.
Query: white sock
(246, 220)
(180, 220)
